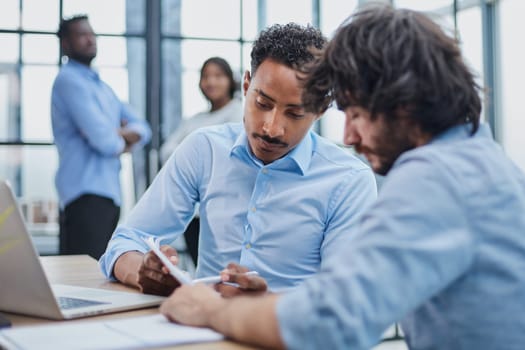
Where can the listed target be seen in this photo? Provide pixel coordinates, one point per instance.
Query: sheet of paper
(77, 335)
(126, 333)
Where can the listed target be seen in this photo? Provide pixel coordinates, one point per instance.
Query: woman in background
(218, 86)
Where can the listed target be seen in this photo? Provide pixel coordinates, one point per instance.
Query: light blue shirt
(282, 219)
(86, 115)
(443, 248)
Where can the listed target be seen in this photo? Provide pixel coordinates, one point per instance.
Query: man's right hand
(146, 271)
(154, 277)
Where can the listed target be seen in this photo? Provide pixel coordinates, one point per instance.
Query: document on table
(126, 333)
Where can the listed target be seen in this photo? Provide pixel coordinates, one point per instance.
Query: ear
(246, 82)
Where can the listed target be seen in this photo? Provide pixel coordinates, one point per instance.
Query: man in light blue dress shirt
(443, 247)
(274, 196)
(91, 128)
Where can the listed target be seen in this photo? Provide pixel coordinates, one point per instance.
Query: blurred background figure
(91, 128)
(219, 87)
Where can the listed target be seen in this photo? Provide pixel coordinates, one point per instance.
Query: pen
(217, 279)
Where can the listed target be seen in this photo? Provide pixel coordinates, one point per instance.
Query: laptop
(25, 289)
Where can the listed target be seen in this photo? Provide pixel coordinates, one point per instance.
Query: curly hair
(290, 44)
(63, 29)
(395, 62)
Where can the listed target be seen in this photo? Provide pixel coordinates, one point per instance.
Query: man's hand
(192, 305)
(248, 284)
(130, 138)
(153, 276)
(246, 319)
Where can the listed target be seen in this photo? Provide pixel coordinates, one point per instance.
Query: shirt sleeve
(166, 207)
(411, 244)
(352, 198)
(89, 117)
(136, 124)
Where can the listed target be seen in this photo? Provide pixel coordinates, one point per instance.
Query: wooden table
(82, 270)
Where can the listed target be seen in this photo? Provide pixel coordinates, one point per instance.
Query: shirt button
(254, 209)
(265, 171)
(248, 245)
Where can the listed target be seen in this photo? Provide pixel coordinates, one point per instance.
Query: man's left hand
(192, 305)
(247, 284)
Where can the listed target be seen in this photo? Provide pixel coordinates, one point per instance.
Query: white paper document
(127, 333)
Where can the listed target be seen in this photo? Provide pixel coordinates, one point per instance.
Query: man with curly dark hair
(274, 196)
(443, 247)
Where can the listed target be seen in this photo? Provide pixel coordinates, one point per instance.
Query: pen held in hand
(217, 279)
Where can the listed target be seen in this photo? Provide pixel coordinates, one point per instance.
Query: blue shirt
(86, 115)
(281, 219)
(443, 248)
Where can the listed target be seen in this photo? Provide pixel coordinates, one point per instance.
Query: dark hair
(396, 62)
(289, 44)
(63, 29)
(226, 69)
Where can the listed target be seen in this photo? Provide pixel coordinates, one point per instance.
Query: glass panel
(36, 102)
(209, 18)
(512, 70)
(333, 124)
(9, 51)
(107, 17)
(111, 51)
(440, 11)
(40, 15)
(171, 86)
(136, 16)
(10, 14)
(249, 19)
(192, 99)
(298, 11)
(39, 164)
(136, 72)
(471, 40)
(246, 51)
(195, 52)
(31, 171)
(117, 79)
(40, 48)
(425, 6)
(170, 17)
(9, 101)
(333, 13)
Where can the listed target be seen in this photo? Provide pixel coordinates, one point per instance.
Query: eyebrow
(293, 105)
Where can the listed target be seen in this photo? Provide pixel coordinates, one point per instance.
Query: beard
(86, 59)
(392, 141)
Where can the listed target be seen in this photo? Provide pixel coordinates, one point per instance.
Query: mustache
(270, 140)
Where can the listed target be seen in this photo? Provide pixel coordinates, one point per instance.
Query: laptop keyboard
(66, 303)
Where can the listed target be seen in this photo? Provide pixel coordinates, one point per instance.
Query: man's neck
(84, 62)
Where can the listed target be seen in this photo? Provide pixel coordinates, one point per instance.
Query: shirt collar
(298, 159)
(82, 67)
(462, 131)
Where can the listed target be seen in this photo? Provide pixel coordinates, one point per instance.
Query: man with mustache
(443, 247)
(273, 195)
